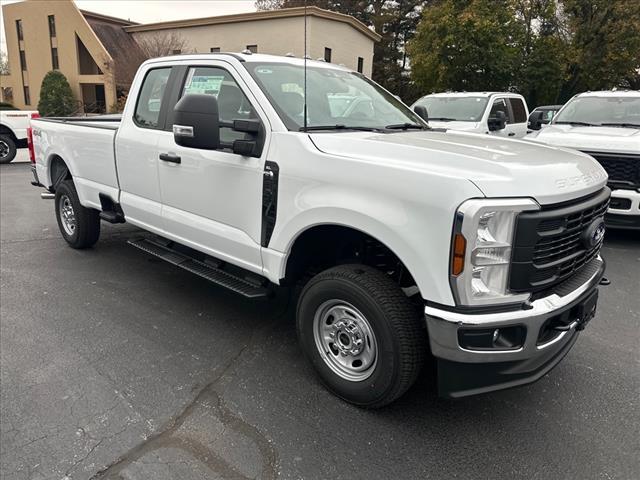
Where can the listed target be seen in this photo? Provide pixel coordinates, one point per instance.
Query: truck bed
(87, 146)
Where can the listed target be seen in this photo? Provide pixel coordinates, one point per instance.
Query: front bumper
(466, 371)
(624, 211)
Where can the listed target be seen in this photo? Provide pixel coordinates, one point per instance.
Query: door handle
(170, 157)
(512, 134)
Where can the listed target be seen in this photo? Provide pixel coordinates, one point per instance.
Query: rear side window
(500, 105)
(519, 112)
(150, 98)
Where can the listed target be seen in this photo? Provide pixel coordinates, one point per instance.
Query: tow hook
(604, 281)
(47, 196)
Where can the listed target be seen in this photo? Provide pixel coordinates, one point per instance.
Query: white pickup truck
(13, 131)
(502, 114)
(403, 243)
(606, 125)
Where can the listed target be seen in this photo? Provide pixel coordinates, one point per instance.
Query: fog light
(508, 338)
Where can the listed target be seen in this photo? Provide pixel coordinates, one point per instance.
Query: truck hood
(590, 139)
(498, 167)
(454, 125)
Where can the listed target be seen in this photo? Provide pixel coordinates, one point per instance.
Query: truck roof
(471, 94)
(250, 57)
(611, 93)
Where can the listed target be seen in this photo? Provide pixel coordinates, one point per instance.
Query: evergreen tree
(56, 97)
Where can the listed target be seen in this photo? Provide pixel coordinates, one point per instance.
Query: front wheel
(361, 333)
(80, 226)
(7, 149)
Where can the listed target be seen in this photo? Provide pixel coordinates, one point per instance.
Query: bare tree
(4, 64)
(163, 44)
(268, 4)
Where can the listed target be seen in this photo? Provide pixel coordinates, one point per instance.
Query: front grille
(623, 169)
(550, 245)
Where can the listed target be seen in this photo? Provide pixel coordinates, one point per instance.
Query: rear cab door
(137, 146)
(518, 117)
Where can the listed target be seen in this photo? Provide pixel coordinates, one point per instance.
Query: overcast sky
(147, 11)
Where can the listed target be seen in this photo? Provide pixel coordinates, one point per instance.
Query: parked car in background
(494, 113)
(395, 234)
(542, 116)
(13, 131)
(606, 125)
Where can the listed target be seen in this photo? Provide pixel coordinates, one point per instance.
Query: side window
(232, 103)
(500, 105)
(150, 98)
(519, 112)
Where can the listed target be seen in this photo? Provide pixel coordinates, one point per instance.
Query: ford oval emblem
(593, 234)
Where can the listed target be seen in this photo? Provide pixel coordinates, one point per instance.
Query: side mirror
(422, 112)
(535, 120)
(497, 122)
(196, 122)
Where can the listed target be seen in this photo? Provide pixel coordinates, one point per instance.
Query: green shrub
(6, 106)
(56, 97)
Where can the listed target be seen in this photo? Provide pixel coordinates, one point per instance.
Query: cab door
(501, 105)
(212, 199)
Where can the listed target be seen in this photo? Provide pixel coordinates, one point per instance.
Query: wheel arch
(6, 130)
(58, 170)
(329, 236)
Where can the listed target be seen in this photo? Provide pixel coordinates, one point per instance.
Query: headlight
(481, 250)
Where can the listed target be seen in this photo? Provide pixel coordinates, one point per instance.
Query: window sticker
(207, 84)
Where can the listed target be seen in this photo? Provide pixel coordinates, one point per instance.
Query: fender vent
(269, 201)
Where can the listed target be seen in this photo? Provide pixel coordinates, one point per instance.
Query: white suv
(494, 113)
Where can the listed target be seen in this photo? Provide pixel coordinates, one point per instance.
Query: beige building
(100, 54)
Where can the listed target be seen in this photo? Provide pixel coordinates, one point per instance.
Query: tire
(360, 304)
(7, 149)
(80, 226)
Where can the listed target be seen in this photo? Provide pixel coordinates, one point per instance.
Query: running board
(250, 286)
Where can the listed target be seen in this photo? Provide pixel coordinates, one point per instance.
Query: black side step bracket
(111, 211)
(248, 285)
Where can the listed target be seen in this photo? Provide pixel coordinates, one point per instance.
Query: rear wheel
(361, 333)
(80, 226)
(7, 149)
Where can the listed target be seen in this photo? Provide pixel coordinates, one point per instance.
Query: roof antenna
(305, 66)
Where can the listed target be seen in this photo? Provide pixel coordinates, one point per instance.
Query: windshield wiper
(623, 124)
(442, 119)
(405, 126)
(583, 124)
(339, 127)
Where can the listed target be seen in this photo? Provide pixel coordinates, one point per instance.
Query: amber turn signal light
(459, 248)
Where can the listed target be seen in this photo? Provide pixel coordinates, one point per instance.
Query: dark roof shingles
(126, 53)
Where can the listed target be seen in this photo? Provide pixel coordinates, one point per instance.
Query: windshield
(601, 110)
(463, 109)
(336, 98)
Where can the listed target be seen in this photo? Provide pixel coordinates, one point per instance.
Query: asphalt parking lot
(116, 365)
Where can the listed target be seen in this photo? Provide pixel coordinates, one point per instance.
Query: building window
(327, 54)
(52, 26)
(27, 97)
(214, 49)
(176, 52)
(252, 48)
(23, 61)
(54, 59)
(19, 29)
(360, 64)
